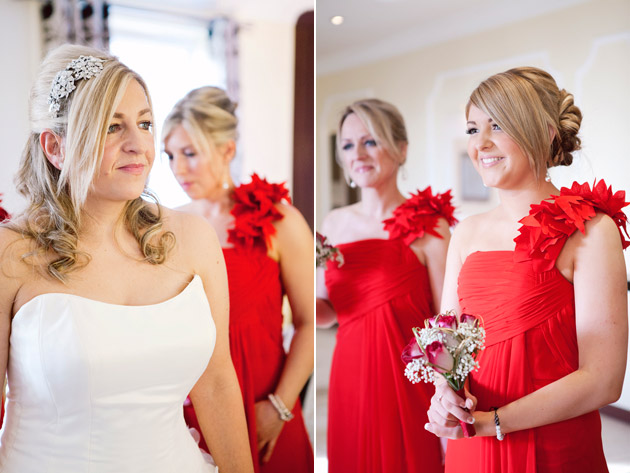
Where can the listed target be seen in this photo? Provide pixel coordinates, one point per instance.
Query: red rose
(439, 357)
(469, 319)
(411, 352)
(445, 321)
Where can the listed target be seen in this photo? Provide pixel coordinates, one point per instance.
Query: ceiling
(269, 10)
(375, 29)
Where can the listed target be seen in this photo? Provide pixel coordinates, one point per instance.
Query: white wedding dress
(99, 388)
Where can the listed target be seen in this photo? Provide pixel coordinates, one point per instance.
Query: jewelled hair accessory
(85, 67)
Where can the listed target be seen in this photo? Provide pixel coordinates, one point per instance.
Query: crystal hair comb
(85, 67)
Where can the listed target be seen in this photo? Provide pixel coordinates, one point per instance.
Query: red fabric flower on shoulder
(4, 215)
(550, 223)
(255, 211)
(419, 214)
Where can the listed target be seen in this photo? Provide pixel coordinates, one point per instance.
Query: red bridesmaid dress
(256, 294)
(528, 309)
(4, 215)
(376, 416)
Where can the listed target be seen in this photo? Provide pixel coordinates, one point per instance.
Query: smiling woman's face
(499, 160)
(367, 163)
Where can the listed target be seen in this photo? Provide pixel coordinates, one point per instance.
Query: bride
(110, 310)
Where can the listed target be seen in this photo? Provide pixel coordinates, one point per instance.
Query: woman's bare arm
(217, 396)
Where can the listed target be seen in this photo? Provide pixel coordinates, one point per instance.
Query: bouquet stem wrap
(469, 429)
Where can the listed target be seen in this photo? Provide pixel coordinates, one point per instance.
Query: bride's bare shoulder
(16, 250)
(193, 234)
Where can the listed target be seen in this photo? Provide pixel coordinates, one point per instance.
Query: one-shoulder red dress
(528, 309)
(256, 294)
(375, 416)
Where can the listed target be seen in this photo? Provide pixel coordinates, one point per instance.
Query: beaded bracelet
(284, 413)
(497, 423)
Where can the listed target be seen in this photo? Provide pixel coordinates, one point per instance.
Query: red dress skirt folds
(375, 416)
(256, 347)
(528, 310)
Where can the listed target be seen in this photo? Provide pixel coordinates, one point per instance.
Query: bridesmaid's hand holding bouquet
(447, 346)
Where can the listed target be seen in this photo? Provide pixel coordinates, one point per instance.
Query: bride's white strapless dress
(98, 388)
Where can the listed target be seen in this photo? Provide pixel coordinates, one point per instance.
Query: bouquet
(447, 346)
(326, 251)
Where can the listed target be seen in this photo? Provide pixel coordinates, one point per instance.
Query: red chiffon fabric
(258, 355)
(4, 215)
(376, 416)
(528, 309)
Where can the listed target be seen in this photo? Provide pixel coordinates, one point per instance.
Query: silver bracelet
(497, 423)
(284, 413)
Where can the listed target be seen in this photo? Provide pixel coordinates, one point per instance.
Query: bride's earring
(547, 177)
(352, 184)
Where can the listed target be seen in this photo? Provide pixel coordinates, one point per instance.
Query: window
(173, 55)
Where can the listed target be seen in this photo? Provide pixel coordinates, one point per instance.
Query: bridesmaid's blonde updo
(208, 115)
(383, 121)
(55, 198)
(528, 105)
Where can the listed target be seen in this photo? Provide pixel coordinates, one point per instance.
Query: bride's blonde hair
(52, 219)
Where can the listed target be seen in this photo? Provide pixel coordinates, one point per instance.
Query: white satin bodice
(99, 388)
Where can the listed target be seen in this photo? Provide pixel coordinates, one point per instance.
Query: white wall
(20, 55)
(267, 58)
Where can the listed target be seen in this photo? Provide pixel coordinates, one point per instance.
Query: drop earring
(547, 177)
(226, 184)
(352, 184)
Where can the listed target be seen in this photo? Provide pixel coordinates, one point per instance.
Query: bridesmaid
(268, 251)
(394, 251)
(550, 287)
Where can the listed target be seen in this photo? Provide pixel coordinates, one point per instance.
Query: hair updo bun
(567, 141)
(209, 116)
(211, 97)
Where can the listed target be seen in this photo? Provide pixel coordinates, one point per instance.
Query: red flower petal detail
(254, 212)
(4, 215)
(550, 223)
(419, 214)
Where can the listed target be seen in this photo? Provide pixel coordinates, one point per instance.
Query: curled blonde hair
(207, 114)
(527, 104)
(383, 121)
(52, 219)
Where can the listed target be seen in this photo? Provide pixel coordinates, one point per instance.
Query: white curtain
(223, 32)
(224, 43)
(75, 21)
